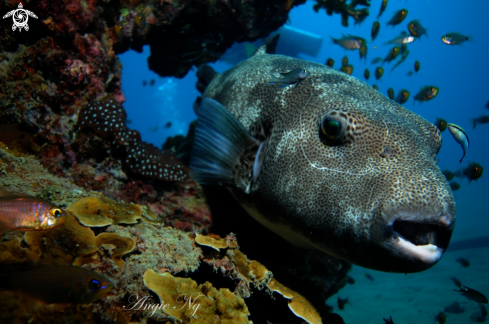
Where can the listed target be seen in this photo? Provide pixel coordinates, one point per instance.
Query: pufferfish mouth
(425, 241)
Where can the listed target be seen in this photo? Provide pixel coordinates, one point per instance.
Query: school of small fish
(399, 52)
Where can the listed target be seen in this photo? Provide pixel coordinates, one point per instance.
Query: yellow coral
(187, 302)
(297, 303)
(96, 212)
(215, 243)
(63, 243)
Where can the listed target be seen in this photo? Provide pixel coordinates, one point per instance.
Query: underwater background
(461, 73)
(141, 231)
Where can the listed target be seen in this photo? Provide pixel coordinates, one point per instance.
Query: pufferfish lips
(424, 241)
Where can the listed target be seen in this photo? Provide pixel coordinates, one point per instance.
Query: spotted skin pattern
(340, 197)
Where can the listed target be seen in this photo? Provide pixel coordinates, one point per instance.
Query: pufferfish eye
(94, 285)
(331, 127)
(332, 130)
(56, 212)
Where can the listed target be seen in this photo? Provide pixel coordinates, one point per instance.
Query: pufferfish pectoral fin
(224, 152)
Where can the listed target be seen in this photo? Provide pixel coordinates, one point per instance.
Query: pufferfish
(331, 164)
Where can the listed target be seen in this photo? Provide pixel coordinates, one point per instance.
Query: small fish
(417, 65)
(151, 82)
(58, 284)
(426, 93)
(167, 125)
(329, 62)
(349, 42)
(402, 96)
(344, 61)
(405, 53)
(448, 174)
(461, 137)
(483, 310)
(392, 54)
(366, 74)
(484, 119)
(382, 8)
(350, 280)
(472, 294)
(454, 308)
(376, 60)
(487, 105)
(375, 87)
(472, 172)
(25, 213)
(441, 318)
(153, 129)
(369, 277)
(463, 262)
(342, 302)
(398, 17)
(416, 29)
(375, 30)
(454, 185)
(118, 28)
(363, 51)
(140, 20)
(348, 69)
(390, 93)
(144, 83)
(457, 282)
(379, 72)
(403, 38)
(288, 78)
(388, 320)
(410, 73)
(441, 124)
(455, 39)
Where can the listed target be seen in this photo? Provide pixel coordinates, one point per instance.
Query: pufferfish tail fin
(269, 46)
(224, 152)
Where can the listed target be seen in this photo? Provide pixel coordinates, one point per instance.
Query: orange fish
(25, 213)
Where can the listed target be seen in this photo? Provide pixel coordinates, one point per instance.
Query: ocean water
(462, 75)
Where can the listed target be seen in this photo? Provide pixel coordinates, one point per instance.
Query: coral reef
(345, 9)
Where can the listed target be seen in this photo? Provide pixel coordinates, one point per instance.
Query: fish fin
(274, 79)
(269, 46)
(224, 151)
(261, 50)
(283, 85)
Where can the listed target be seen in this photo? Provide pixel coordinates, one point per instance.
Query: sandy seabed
(415, 298)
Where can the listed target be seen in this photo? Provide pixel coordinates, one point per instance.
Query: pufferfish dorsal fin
(269, 46)
(224, 152)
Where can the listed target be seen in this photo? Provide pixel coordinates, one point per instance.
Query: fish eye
(332, 130)
(94, 285)
(56, 212)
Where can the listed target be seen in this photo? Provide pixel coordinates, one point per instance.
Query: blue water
(461, 73)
